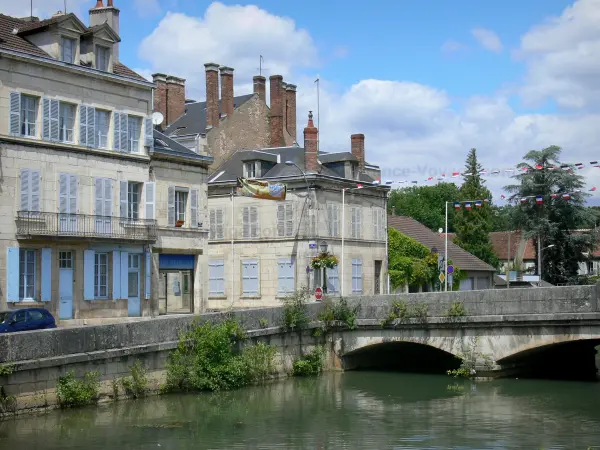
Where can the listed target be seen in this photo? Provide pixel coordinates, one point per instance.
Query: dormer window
(102, 58)
(252, 169)
(354, 171)
(69, 50)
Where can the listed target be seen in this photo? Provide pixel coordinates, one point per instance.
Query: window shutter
(281, 220)
(250, 277)
(246, 222)
(216, 277)
(73, 197)
(171, 206)
(289, 219)
(148, 133)
(25, 187)
(88, 274)
(54, 120)
(254, 221)
(83, 125)
(63, 193)
(330, 219)
(116, 274)
(336, 220)
(212, 226)
(194, 208)
(150, 188)
(357, 276)
(117, 130)
(220, 228)
(332, 280)
(147, 271)
(375, 216)
(46, 132)
(123, 137)
(123, 198)
(98, 197)
(12, 274)
(46, 274)
(108, 197)
(285, 276)
(358, 222)
(91, 127)
(15, 114)
(35, 190)
(124, 275)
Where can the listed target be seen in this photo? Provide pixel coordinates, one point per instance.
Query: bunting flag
(524, 200)
(495, 171)
(261, 189)
(539, 166)
(455, 174)
(566, 196)
(502, 196)
(554, 195)
(478, 204)
(539, 199)
(457, 205)
(593, 189)
(467, 206)
(359, 186)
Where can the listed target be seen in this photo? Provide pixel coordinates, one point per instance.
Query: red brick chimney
(311, 140)
(160, 96)
(99, 4)
(276, 111)
(212, 95)
(226, 90)
(260, 87)
(358, 149)
(290, 92)
(175, 99)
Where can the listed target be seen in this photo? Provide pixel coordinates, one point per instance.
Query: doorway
(175, 292)
(65, 282)
(133, 285)
(377, 289)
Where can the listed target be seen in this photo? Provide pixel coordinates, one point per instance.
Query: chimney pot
(110, 4)
(260, 83)
(227, 105)
(311, 140)
(212, 94)
(99, 4)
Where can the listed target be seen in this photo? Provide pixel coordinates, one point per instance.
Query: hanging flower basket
(325, 259)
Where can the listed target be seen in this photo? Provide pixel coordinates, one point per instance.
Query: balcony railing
(31, 223)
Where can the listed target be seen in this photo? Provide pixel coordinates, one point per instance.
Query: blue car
(26, 320)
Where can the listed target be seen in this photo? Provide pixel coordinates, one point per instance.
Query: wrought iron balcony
(31, 223)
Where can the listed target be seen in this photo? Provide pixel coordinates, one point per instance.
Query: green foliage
(73, 392)
(136, 385)
(208, 357)
(310, 364)
(8, 403)
(455, 310)
(473, 227)
(410, 261)
(6, 369)
(402, 311)
(295, 310)
(426, 204)
(469, 360)
(339, 311)
(263, 322)
(554, 220)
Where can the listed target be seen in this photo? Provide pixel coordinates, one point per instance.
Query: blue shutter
(116, 274)
(46, 274)
(357, 276)
(171, 206)
(91, 127)
(216, 277)
(285, 276)
(123, 200)
(124, 275)
(12, 274)
(54, 120)
(88, 274)
(194, 208)
(117, 131)
(250, 280)
(46, 133)
(15, 113)
(147, 285)
(333, 285)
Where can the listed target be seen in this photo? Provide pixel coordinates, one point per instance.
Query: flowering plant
(325, 259)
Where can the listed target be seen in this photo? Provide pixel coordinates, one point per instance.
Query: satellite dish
(157, 118)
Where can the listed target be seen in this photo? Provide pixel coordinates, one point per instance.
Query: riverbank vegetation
(310, 364)
(73, 392)
(402, 311)
(470, 359)
(136, 385)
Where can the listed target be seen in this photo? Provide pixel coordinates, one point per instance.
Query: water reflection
(374, 410)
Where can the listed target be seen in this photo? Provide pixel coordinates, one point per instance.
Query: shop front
(176, 284)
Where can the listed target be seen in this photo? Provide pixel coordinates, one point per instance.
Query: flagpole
(343, 228)
(446, 252)
(318, 112)
(232, 249)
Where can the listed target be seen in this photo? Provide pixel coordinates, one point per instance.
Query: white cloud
(487, 39)
(41, 8)
(451, 46)
(563, 58)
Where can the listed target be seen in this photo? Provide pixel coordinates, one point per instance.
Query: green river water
(353, 410)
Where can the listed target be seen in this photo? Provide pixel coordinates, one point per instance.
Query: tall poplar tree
(473, 226)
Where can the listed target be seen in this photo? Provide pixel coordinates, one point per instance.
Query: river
(352, 410)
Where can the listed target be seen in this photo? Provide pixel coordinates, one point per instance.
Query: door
(65, 284)
(133, 286)
(377, 277)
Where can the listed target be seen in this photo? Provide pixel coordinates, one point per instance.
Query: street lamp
(540, 262)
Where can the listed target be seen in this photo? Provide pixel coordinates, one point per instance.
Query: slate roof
(19, 43)
(193, 121)
(166, 146)
(419, 232)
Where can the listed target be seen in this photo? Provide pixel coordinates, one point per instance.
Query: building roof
(19, 43)
(419, 232)
(193, 120)
(519, 247)
(166, 146)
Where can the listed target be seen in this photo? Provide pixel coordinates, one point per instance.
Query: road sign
(318, 293)
(450, 281)
(450, 269)
(442, 277)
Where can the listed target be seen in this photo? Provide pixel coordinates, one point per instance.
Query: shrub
(136, 385)
(72, 392)
(455, 310)
(310, 364)
(469, 359)
(339, 311)
(208, 357)
(295, 310)
(263, 322)
(8, 403)
(402, 311)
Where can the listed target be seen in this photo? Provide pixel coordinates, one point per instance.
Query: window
(250, 282)
(252, 169)
(216, 277)
(101, 275)
(66, 121)
(69, 50)
(65, 260)
(102, 58)
(250, 222)
(21, 316)
(133, 275)
(285, 276)
(134, 128)
(355, 230)
(102, 124)
(133, 200)
(216, 224)
(35, 316)
(357, 287)
(285, 219)
(180, 205)
(27, 260)
(30, 190)
(333, 219)
(29, 109)
(333, 280)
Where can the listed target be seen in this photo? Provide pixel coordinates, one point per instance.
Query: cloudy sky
(424, 81)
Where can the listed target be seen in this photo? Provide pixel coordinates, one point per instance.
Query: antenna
(260, 65)
(157, 118)
(31, 10)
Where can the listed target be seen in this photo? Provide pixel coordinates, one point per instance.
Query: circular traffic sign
(318, 293)
(450, 269)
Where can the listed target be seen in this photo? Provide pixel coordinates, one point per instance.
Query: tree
(473, 226)
(425, 204)
(553, 221)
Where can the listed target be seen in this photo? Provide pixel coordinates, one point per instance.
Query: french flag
(457, 205)
(539, 200)
(593, 163)
(509, 170)
(376, 182)
(483, 172)
(359, 186)
(478, 204)
(430, 179)
(523, 199)
(455, 174)
(495, 171)
(554, 195)
(524, 169)
(502, 196)
(486, 200)
(566, 196)
(593, 189)
(414, 182)
(468, 206)
(389, 182)
(539, 166)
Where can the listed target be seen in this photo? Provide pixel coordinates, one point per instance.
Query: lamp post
(540, 261)
(292, 163)
(323, 248)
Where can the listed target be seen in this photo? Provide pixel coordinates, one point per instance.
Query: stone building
(260, 250)
(82, 183)
(225, 123)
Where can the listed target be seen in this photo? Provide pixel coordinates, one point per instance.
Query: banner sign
(261, 189)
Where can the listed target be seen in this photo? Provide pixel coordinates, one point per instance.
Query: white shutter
(63, 193)
(148, 133)
(15, 113)
(330, 219)
(91, 127)
(212, 224)
(54, 120)
(73, 183)
(116, 130)
(108, 197)
(83, 125)
(219, 220)
(246, 222)
(281, 220)
(358, 222)
(46, 132)
(194, 208)
(98, 197)
(24, 182)
(150, 188)
(124, 135)
(289, 219)
(336, 220)
(35, 190)
(171, 206)
(375, 217)
(254, 221)
(123, 198)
